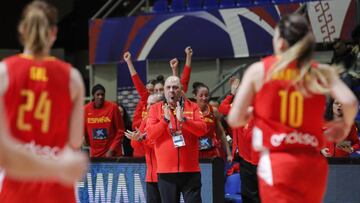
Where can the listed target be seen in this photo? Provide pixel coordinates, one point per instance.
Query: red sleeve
(155, 127)
(354, 138)
(196, 126)
(185, 78)
(144, 94)
(136, 145)
(140, 87)
(119, 128)
(86, 134)
(138, 114)
(143, 125)
(225, 105)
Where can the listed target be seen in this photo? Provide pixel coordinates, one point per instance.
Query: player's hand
(109, 153)
(188, 51)
(174, 66)
(127, 56)
(229, 158)
(345, 147)
(134, 135)
(179, 112)
(166, 110)
(72, 166)
(234, 84)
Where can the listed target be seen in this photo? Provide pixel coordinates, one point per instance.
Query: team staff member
(104, 125)
(287, 92)
(214, 141)
(156, 86)
(144, 92)
(346, 147)
(224, 109)
(138, 139)
(42, 98)
(175, 126)
(242, 149)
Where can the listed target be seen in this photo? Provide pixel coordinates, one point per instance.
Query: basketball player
(287, 91)
(43, 99)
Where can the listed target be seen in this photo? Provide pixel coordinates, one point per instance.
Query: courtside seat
(210, 4)
(227, 3)
(262, 2)
(194, 5)
(160, 6)
(280, 1)
(241, 3)
(233, 198)
(288, 1)
(178, 5)
(233, 188)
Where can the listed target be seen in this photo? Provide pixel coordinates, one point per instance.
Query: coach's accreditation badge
(178, 139)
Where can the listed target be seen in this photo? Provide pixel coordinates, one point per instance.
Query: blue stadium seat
(227, 3)
(233, 198)
(233, 188)
(241, 3)
(178, 5)
(261, 2)
(233, 184)
(210, 4)
(355, 154)
(194, 5)
(280, 1)
(160, 6)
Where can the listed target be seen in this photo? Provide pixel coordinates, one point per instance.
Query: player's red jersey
(104, 129)
(38, 107)
(288, 131)
(288, 119)
(209, 144)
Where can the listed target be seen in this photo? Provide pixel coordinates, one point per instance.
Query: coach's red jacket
(171, 159)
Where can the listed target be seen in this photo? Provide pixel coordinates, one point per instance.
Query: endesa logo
(294, 138)
(46, 152)
(103, 119)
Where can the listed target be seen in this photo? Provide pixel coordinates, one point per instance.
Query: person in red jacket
(104, 127)
(41, 100)
(138, 139)
(214, 141)
(175, 127)
(242, 149)
(345, 147)
(287, 92)
(224, 109)
(156, 86)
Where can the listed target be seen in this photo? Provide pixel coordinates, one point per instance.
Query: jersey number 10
(291, 108)
(42, 110)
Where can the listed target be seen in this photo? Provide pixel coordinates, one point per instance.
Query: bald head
(173, 80)
(172, 90)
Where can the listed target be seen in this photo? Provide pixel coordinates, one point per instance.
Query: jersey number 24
(41, 110)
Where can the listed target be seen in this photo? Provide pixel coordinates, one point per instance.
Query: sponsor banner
(224, 33)
(125, 182)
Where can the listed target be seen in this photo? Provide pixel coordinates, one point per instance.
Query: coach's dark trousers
(172, 184)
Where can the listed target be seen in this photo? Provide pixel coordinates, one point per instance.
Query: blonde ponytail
(301, 42)
(37, 20)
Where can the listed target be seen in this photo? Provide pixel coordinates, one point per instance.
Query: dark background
(73, 21)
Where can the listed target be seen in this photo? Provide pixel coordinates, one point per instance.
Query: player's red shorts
(296, 177)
